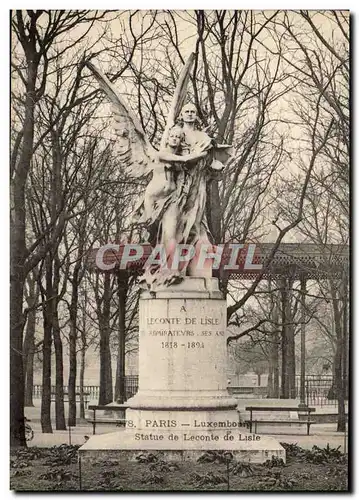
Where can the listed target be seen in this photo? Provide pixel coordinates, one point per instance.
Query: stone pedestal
(182, 405)
(182, 356)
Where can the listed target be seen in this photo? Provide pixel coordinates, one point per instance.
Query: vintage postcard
(179, 250)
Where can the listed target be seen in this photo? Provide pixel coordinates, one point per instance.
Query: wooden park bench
(303, 410)
(86, 396)
(103, 420)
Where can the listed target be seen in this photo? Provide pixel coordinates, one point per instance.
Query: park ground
(318, 462)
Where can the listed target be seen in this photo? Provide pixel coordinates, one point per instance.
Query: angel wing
(134, 148)
(178, 98)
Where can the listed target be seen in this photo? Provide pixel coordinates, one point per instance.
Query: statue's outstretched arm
(170, 157)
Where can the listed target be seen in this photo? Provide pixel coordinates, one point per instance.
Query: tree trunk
(29, 387)
(346, 364)
(106, 392)
(340, 388)
(18, 258)
(340, 323)
(17, 423)
(83, 354)
(345, 343)
(288, 343)
(120, 389)
(59, 374)
(337, 391)
(82, 379)
(270, 389)
(273, 377)
(46, 349)
(56, 190)
(340, 373)
(73, 311)
(276, 366)
(291, 359)
(29, 346)
(72, 344)
(333, 391)
(72, 360)
(29, 340)
(46, 380)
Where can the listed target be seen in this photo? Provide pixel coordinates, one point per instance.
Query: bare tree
(36, 33)
(69, 193)
(322, 112)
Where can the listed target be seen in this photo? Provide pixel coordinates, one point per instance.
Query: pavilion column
(274, 365)
(276, 343)
(288, 389)
(303, 285)
(284, 309)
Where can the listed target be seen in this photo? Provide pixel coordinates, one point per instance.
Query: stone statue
(173, 207)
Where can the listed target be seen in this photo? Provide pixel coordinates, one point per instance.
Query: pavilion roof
(300, 260)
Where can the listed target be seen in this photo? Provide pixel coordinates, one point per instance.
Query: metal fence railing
(318, 390)
(131, 387)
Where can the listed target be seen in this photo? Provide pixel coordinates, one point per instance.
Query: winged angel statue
(173, 206)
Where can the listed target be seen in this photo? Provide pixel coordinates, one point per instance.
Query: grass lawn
(56, 469)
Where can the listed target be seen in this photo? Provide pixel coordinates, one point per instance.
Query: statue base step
(181, 445)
